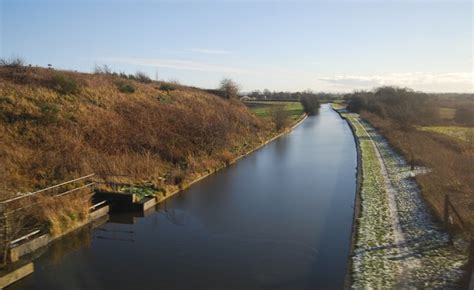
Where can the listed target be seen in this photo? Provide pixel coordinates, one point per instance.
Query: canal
(278, 219)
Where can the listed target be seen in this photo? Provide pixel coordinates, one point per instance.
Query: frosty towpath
(398, 242)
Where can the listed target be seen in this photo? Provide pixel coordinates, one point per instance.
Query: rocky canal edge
(396, 240)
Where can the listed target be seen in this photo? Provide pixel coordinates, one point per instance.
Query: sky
(334, 46)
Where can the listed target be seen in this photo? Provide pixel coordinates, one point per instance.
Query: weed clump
(125, 87)
(65, 85)
(168, 87)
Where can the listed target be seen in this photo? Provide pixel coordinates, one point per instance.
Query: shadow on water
(278, 219)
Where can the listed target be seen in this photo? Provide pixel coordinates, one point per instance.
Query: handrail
(46, 189)
(75, 189)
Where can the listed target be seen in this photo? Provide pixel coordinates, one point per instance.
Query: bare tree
(12, 62)
(102, 69)
(229, 89)
(279, 116)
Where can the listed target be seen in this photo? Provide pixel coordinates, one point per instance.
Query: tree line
(406, 106)
(281, 95)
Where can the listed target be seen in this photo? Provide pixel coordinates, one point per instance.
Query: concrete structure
(18, 273)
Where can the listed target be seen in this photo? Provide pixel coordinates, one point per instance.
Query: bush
(176, 176)
(64, 85)
(103, 69)
(12, 62)
(125, 87)
(142, 77)
(310, 104)
(279, 116)
(229, 89)
(167, 87)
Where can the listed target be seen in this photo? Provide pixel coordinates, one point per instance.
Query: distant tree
(464, 116)
(310, 104)
(229, 89)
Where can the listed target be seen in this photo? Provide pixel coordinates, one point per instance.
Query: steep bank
(57, 125)
(397, 242)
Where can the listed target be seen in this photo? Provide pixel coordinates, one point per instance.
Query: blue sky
(280, 45)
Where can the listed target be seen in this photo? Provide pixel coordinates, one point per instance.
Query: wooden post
(4, 231)
(446, 218)
(446, 212)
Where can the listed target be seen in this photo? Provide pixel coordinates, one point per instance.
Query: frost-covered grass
(426, 258)
(372, 266)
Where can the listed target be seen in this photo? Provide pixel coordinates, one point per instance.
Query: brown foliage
(451, 163)
(49, 137)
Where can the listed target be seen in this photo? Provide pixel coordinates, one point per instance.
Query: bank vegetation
(59, 125)
(432, 131)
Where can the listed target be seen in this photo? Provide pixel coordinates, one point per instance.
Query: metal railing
(18, 219)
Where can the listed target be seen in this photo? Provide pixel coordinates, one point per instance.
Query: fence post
(4, 234)
(446, 212)
(446, 218)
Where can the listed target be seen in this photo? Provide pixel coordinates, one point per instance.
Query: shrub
(142, 77)
(125, 87)
(279, 116)
(229, 89)
(176, 176)
(103, 69)
(12, 62)
(167, 87)
(64, 85)
(310, 104)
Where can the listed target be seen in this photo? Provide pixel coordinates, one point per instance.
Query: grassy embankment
(58, 125)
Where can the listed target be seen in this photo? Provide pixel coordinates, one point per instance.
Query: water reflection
(279, 219)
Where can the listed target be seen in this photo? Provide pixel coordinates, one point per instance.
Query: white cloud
(180, 65)
(210, 51)
(416, 79)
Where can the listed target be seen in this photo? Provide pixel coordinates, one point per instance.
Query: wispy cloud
(180, 65)
(210, 51)
(400, 79)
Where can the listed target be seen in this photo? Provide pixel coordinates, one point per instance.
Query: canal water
(278, 219)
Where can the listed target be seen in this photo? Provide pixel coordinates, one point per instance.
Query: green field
(262, 108)
(460, 133)
(447, 113)
(337, 105)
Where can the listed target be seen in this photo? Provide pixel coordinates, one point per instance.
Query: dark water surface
(277, 219)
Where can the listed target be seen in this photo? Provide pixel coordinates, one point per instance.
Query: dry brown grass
(162, 136)
(450, 160)
(63, 213)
